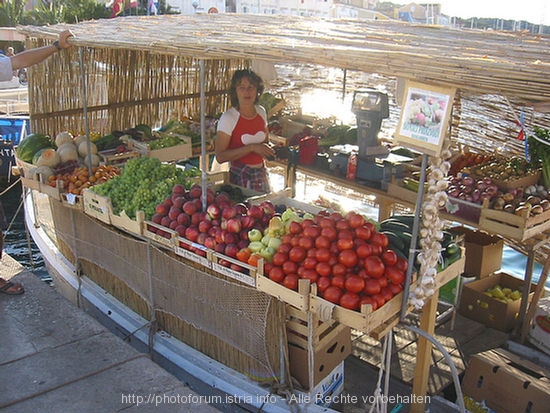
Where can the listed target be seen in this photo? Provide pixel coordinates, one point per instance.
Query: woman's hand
(264, 149)
(63, 39)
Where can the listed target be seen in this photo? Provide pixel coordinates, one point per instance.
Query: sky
(533, 11)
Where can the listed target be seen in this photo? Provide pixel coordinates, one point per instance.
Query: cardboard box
(328, 352)
(507, 383)
(327, 391)
(483, 252)
(478, 306)
(539, 335)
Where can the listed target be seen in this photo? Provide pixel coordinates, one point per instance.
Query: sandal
(11, 288)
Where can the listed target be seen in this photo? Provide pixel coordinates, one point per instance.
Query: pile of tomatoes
(344, 255)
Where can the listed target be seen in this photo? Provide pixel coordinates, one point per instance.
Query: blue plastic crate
(13, 129)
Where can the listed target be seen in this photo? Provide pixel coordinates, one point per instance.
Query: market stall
(148, 70)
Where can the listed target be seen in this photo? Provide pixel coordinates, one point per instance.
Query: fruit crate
(509, 225)
(376, 323)
(170, 154)
(72, 201)
(242, 272)
(160, 234)
(112, 157)
(212, 178)
(193, 252)
(298, 299)
(127, 224)
(315, 347)
(97, 206)
(523, 182)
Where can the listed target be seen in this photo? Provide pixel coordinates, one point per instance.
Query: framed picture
(425, 114)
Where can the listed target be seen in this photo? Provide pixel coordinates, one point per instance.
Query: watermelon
(31, 144)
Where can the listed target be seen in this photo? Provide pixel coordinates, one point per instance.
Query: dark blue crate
(13, 129)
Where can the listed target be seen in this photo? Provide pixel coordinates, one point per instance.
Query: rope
(380, 403)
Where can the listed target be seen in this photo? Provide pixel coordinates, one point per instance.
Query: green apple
(254, 235)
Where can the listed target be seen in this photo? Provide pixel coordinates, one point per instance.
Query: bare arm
(33, 56)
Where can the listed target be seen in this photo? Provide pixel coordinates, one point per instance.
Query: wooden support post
(424, 352)
(530, 312)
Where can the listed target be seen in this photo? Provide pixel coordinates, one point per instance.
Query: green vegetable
(31, 144)
(539, 152)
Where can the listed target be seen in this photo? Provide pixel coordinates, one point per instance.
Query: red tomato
(254, 258)
(330, 232)
(290, 267)
(394, 275)
(371, 286)
(383, 281)
(310, 274)
(294, 241)
(369, 300)
(402, 264)
(363, 232)
(348, 258)
(312, 231)
(323, 268)
(322, 242)
(294, 228)
(376, 249)
(379, 299)
(309, 262)
(339, 281)
(355, 220)
(276, 274)
(323, 283)
(346, 233)
(354, 284)
(370, 226)
(339, 269)
(364, 250)
(386, 293)
(297, 254)
(395, 288)
(311, 253)
(344, 244)
(291, 281)
(307, 222)
(284, 247)
(306, 242)
(374, 266)
(323, 254)
(326, 222)
(342, 225)
(333, 294)
(389, 257)
(378, 238)
(350, 300)
(279, 258)
(335, 216)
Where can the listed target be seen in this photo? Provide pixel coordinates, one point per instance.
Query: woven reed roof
(508, 63)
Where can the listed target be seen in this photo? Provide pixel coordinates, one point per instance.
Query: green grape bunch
(143, 183)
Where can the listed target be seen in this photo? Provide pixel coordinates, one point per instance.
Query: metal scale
(375, 164)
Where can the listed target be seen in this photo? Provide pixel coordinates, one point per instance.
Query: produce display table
(526, 239)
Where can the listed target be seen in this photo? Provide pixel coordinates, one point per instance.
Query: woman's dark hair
(252, 78)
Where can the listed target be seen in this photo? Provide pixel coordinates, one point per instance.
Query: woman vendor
(242, 135)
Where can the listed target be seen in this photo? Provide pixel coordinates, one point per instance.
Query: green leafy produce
(143, 184)
(166, 140)
(539, 151)
(31, 144)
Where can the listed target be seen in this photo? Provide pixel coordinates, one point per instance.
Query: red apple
(178, 189)
(184, 219)
(229, 212)
(213, 211)
(234, 225)
(192, 233)
(222, 197)
(173, 213)
(162, 209)
(268, 207)
(156, 218)
(180, 229)
(241, 208)
(189, 207)
(165, 221)
(220, 247)
(195, 191)
(247, 222)
(255, 212)
(201, 238)
(231, 250)
(210, 242)
(230, 237)
(204, 226)
(178, 201)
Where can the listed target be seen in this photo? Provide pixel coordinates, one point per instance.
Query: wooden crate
(97, 206)
(127, 224)
(172, 153)
(160, 234)
(247, 275)
(193, 251)
(315, 347)
(72, 201)
(368, 321)
(212, 178)
(522, 182)
(112, 157)
(398, 191)
(298, 299)
(509, 225)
